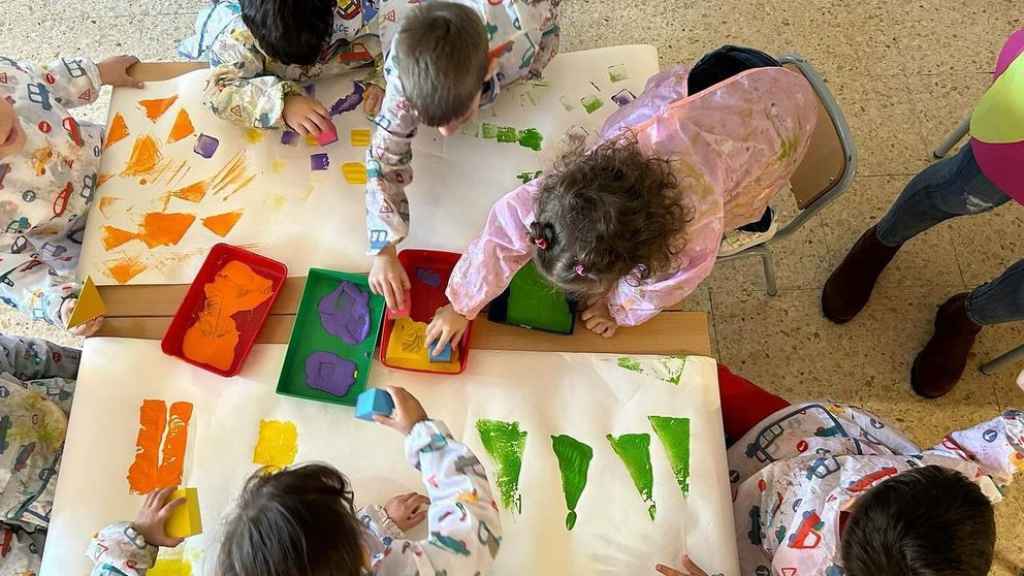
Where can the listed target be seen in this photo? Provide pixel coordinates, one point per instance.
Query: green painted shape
(536, 303)
(505, 443)
(527, 176)
(573, 461)
(488, 131)
(674, 434)
(591, 104)
(635, 452)
(531, 138)
(618, 73)
(507, 134)
(630, 364)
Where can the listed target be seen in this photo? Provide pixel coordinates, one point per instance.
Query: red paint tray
(249, 322)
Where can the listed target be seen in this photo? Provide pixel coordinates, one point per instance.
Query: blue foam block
(374, 401)
(444, 356)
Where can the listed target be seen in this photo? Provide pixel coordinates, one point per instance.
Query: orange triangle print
(118, 131)
(156, 107)
(182, 127)
(221, 224)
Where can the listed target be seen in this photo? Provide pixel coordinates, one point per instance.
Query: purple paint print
(429, 277)
(623, 97)
(349, 102)
(319, 162)
(310, 90)
(330, 373)
(345, 313)
(290, 138)
(206, 146)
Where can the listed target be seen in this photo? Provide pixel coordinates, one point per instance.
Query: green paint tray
(309, 336)
(531, 301)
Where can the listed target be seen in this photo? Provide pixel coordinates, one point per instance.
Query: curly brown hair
(606, 213)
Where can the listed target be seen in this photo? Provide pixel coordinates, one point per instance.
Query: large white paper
(585, 396)
(310, 218)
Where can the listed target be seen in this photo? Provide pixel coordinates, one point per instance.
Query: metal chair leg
(951, 140)
(769, 273)
(992, 365)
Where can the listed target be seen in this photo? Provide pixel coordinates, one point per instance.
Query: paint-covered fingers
(407, 413)
(689, 569)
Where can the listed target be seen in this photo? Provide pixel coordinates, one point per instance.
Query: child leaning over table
(48, 164)
(832, 490)
(305, 517)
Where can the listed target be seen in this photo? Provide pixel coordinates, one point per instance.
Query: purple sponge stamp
(374, 402)
(290, 138)
(206, 146)
(329, 136)
(330, 373)
(345, 313)
(319, 162)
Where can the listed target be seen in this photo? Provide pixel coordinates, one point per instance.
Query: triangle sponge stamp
(156, 107)
(182, 127)
(90, 306)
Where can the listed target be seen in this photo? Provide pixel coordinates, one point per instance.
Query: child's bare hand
(67, 308)
(407, 510)
(373, 97)
(408, 411)
(598, 319)
(388, 278)
(689, 569)
(114, 71)
(305, 115)
(153, 515)
(447, 326)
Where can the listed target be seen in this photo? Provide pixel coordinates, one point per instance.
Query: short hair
(442, 60)
(930, 521)
(290, 31)
(298, 522)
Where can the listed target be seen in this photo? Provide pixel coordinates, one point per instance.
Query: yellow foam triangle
(185, 521)
(90, 305)
(999, 116)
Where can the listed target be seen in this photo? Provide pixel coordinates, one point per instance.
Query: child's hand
(114, 71)
(407, 510)
(305, 115)
(67, 308)
(373, 97)
(598, 319)
(153, 515)
(407, 413)
(689, 569)
(447, 326)
(388, 278)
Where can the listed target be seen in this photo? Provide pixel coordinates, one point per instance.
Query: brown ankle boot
(849, 287)
(939, 366)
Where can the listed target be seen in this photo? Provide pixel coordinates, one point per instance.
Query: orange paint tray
(247, 322)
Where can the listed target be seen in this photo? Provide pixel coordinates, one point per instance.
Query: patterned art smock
(523, 37)
(732, 147)
(796, 471)
(46, 189)
(463, 522)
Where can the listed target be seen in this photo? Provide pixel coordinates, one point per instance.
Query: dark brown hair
(298, 522)
(930, 521)
(606, 213)
(442, 60)
(291, 31)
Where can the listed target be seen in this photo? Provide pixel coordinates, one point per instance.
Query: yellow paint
(277, 445)
(254, 135)
(354, 172)
(89, 306)
(277, 202)
(170, 567)
(185, 521)
(277, 165)
(407, 349)
(311, 140)
(360, 138)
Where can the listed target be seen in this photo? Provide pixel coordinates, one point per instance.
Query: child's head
(12, 135)
(604, 213)
(443, 61)
(290, 31)
(298, 522)
(930, 521)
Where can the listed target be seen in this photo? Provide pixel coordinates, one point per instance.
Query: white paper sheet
(310, 218)
(585, 396)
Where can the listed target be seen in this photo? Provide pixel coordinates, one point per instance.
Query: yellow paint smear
(277, 445)
(144, 157)
(171, 567)
(221, 224)
(156, 107)
(354, 172)
(254, 135)
(114, 237)
(360, 138)
(182, 127)
(125, 269)
(117, 131)
(407, 349)
(277, 165)
(160, 229)
(311, 140)
(106, 203)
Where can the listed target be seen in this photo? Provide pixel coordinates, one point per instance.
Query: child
(304, 517)
(445, 61)
(37, 380)
(828, 489)
(48, 164)
(635, 223)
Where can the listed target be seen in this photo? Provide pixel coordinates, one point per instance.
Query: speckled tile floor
(905, 73)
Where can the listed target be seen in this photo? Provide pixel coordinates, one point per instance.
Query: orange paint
(117, 131)
(125, 269)
(192, 193)
(156, 107)
(114, 237)
(143, 473)
(182, 127)
(101, 179)
(221, 224)
(105, 203)
(173, 459)
(160, 229)
(144, 157)
(40, 158)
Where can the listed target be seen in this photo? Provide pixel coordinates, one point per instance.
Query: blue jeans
(947, 189)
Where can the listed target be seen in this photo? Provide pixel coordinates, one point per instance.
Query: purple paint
(623, 97)
(330, 373)
(429, 277)
(290, 138)
(351, 101)
(206, 146)
(319, 162)
(345, 313)
(310, 90)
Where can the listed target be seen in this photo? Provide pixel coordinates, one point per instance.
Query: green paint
(527, 176)
(507, 134)
(671, 369)
(530, 138)
(488, 131)
(674, 434)
(536, 303)
(618, 73)
(635, 452)
(505, 443)
(591, 104)
(573, 460)
(630, 364)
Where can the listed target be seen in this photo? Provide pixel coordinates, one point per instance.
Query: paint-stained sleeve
(240, 90)
(29, 284)
(464, 528)
(997, 446)
(35, 359)
(72, 81)
(550, 38)
(494, 257)
(115, 554)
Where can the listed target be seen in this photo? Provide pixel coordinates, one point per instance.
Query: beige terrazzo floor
(905, 73)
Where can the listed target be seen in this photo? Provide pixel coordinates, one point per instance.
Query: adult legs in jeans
(947, 189)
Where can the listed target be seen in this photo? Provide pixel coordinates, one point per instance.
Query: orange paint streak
(105, 203)
(101, 179)
(221, 224)
(156, 107)
(173, 459)
(192, 193)
(144, 157)
(125, 269)
(143, 473)
(114, 237)
(182, 127)
(160, 229)
(241, 186)
(117, 131)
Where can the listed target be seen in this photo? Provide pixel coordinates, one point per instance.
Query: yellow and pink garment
(997, 124)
